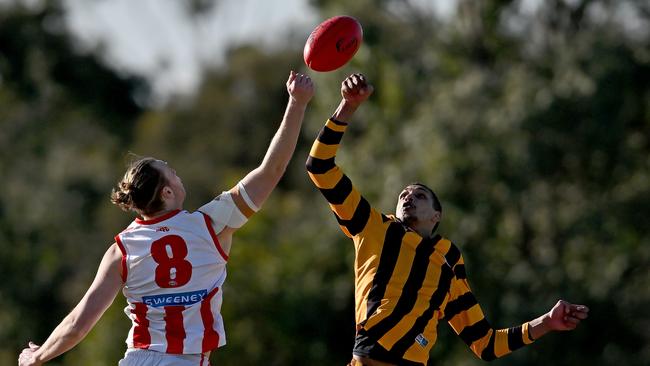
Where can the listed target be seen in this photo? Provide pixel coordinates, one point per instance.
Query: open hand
(300, 87)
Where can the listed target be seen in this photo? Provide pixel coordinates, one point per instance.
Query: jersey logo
(421, 340)
(163, 229)
(178, 299)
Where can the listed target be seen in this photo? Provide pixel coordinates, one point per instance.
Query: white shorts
(144, 357)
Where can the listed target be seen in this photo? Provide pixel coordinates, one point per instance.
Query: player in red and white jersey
(171, 264)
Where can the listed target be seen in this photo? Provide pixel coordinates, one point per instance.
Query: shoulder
(452, 255)
(113, 261)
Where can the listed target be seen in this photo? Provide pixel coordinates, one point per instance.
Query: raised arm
(84, 316)
(262, 180)
(355, 90)
(352, 211)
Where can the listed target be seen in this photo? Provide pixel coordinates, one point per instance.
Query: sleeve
(351, 210)
(231, 208)
(465, 316)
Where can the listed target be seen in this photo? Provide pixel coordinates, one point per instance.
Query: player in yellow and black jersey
(408, 277)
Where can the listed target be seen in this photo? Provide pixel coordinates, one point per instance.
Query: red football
(333, 43)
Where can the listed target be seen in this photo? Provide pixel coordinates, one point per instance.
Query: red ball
(333, 43)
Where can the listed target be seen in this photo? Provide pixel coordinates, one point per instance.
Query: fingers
(581, 308)
(300, 87)
(292, 77)
(355, 80)
(356, 84)
(33, 346)
(368, 89)
(298, 78)
(571, 314)
(571, 323)
(578, 311)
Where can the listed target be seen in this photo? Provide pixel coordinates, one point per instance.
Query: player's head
(149, 186)
(418, 206)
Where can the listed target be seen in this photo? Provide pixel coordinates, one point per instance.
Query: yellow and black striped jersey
(404, 284)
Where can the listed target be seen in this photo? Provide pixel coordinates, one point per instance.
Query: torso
(173, 268)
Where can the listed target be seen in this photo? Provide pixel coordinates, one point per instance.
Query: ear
(437, 215)
(167, 193)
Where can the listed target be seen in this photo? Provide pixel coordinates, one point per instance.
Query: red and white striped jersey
(173, 268)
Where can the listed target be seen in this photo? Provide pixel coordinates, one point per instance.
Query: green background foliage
(532, 127)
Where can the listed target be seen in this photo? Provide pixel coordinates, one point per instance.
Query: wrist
(38, 358)
(538, 327)
(294, 102)
(345, 110)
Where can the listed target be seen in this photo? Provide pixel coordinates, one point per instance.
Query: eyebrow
(416, 190)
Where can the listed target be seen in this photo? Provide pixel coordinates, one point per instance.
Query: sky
(154, 38)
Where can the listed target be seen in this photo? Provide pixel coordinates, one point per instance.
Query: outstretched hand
(300, 87)
(355, 89)
(563, 316)
(566, 316)
(27, 357)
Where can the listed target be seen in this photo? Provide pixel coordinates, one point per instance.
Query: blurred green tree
(65, 120)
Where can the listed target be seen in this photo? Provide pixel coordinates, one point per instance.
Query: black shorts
(366, 347)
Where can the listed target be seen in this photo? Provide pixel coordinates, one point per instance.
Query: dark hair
(139, 189)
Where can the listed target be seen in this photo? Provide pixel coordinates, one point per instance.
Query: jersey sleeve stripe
(475, 332)
(359, 219)
(525, 329)
(124, 264)
(215, 239)
(501, 344)
(488, 353)
(463, 303)
(336, 124)
(323, 151)
(338, 194)
(319, 166)
(515, 339)
(328, 136)
(240, 202)
(327, 180)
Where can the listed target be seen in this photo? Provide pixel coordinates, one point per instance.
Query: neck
(425, 231)
(158, 214)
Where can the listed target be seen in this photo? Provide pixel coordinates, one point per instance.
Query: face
(415, 207)
(174, 185)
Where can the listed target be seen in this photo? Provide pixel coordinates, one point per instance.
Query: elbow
(276, 172)
(487, 355)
